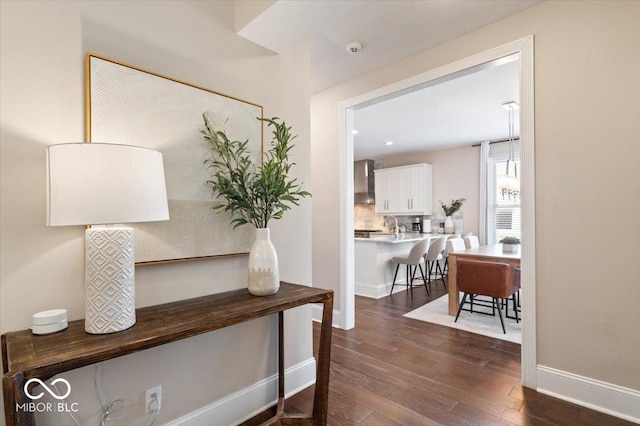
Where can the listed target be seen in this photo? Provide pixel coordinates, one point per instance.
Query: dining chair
(433, 257)
(413, 261)
(458, 244)
(516, 296)
(471, 241)
(455, 244)
(452, 244)
(445, 254)
(494, 279)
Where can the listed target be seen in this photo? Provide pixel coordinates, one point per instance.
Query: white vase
(448, 225)
(264, 278)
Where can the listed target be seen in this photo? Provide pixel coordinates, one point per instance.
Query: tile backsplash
(365, 218)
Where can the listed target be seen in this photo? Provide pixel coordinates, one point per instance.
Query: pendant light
(508, 184)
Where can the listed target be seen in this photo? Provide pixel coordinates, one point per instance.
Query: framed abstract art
(132, 106)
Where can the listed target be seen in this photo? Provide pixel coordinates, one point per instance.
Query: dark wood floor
(391, 370)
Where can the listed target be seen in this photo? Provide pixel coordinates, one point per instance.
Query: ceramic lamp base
(110, 280)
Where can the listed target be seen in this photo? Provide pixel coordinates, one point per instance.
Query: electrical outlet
(150, 402)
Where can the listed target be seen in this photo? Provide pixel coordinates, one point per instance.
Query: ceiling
(461, 110)
(464, 110)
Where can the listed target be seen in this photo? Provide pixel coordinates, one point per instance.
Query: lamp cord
(110, 407)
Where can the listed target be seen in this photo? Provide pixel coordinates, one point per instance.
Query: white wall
(587, 151)
(42, 103)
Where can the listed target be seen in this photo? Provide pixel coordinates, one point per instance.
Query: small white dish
(47, 322)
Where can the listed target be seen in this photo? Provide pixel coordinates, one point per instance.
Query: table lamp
(106, 184)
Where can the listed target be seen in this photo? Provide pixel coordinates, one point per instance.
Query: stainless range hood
(363, 182)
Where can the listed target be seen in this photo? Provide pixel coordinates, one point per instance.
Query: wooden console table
(26, 356)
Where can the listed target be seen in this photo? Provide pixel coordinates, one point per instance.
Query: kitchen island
(373, 268)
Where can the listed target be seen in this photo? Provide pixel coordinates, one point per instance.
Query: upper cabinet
(404, 190)
(386, 185)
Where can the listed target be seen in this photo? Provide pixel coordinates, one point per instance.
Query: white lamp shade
(96, 183)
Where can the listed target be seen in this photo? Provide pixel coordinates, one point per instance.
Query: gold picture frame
(133, 106)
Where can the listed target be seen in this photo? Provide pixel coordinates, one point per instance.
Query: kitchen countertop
(401, 238)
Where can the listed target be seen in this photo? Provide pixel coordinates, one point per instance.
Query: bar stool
(471, 241)
(434, 256)
(413, 261)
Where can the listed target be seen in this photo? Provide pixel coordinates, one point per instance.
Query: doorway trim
(523, 47)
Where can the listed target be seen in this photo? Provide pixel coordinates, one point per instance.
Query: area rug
(436, 312)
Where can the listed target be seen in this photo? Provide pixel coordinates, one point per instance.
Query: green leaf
(252, 194)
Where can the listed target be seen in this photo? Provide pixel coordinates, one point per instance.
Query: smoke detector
(354, 47)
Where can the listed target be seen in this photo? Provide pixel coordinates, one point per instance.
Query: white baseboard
(317, 316)
(248, 402)
(601, 396)
(376, 291)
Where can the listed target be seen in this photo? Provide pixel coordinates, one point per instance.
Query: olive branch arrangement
(252, 194)
(454, 207)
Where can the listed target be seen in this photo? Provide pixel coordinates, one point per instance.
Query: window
(504, 218)
(503, 214)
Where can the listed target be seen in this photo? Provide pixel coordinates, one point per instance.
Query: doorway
(522, 47)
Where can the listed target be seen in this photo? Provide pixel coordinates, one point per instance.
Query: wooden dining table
(488, 253)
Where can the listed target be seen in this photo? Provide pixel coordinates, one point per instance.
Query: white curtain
(483, 195)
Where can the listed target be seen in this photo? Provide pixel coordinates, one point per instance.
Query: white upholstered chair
(445, 254)
(434, 256)
(413, 261)
(455, 244)
(471, 242)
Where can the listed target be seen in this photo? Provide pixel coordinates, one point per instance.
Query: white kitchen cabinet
(404, 190)
(386, 184)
